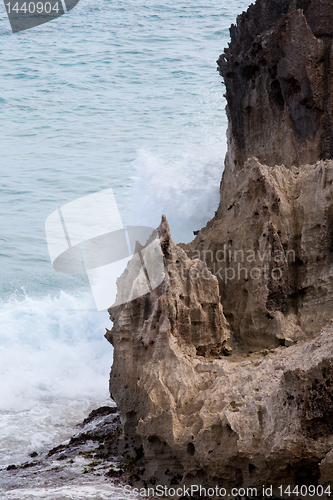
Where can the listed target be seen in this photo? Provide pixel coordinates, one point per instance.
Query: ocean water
(115, 94)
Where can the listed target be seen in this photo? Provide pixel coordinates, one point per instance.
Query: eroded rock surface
(272, 252)
(270, 242)
(206, 418)
(279, 82)
(224, 373)
(155, 338)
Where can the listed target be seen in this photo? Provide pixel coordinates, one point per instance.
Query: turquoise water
(115, 94)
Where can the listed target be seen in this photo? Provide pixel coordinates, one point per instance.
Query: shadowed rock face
(278, 72)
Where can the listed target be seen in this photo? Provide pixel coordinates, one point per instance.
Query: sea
(115, 94)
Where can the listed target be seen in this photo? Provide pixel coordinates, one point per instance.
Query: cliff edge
(223, 374)
(278, 74)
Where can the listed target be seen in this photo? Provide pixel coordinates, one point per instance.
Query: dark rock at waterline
(99, 412)
(81, 461)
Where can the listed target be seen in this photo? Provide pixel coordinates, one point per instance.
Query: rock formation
(263, 419)
(272, 252)
(279, 81)
(223, 374)
(279, 89)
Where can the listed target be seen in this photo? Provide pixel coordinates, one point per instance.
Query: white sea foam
(54, 366)
(185, 188)
(54, 360)
(73, 492)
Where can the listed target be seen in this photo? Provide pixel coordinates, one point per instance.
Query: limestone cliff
(272, 252)
(155, 338)
(275, 221)
(223, 374)
(200, 415)
(278, 75)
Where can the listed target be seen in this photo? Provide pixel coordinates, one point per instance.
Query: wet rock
(100, 412)
(81, 462)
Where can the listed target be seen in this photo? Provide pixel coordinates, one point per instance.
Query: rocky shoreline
(223, 373)
(77, 468)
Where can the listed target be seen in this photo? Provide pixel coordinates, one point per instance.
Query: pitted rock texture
(262, 415)
(278, 74)
(209, 419)
(152, 333)
(272, 252)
